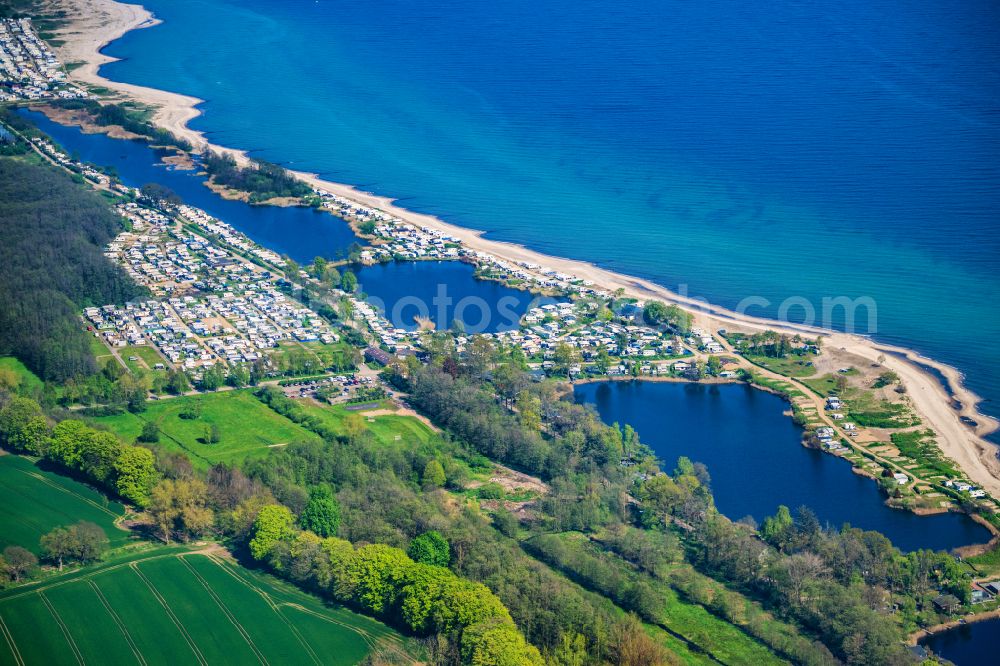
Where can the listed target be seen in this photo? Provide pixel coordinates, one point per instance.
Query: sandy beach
(98, 22)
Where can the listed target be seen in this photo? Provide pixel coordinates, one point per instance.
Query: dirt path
(819, 404)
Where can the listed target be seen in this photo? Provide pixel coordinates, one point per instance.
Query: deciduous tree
(273, 524)
(430, 548)
(136, 474)
(89, 541)
(57, 545)
(20, 562)
(433, 476)
(181, 507)
(348, 282)
(322, 513)
(150, 433)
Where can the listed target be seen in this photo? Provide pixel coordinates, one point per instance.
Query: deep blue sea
(728, 149)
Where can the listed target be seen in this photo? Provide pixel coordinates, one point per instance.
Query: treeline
(262, 180)
(840, 585)
(386, 495)
(98, 456)
(650, 594)
(52, 234)
(383, 498)
(772, 344)
(276, 399)
(130, 119)
(637, 567)
(285, 517)
(380, 499)
(383, 581)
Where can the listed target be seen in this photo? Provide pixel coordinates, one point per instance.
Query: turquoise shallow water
(783, 150)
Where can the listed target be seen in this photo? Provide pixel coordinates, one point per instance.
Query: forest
(52, 234)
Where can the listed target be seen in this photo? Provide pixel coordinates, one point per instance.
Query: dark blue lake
(967, 644)
(442, 291)
(756, 461)
(301, 233)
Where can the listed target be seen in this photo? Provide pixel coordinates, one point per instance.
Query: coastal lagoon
(966, 644)
(439, 291)
(754, 454)
(301, 233)
(442, 292)
(775, 150)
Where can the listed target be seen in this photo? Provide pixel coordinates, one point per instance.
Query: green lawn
(34, 501)
(724, 640)
(148, 355)
(100, 351)
(824, 386)
(171, 606)
(987, 564)
(790, 366)
(338, 353)
(28, 380)
(386, 427)
(246, 426)
(863, 406)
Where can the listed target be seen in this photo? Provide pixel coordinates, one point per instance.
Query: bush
(491, 491)
(150, 433)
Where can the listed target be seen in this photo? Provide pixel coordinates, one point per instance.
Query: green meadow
(147, 359)
(26, 378)
(100, 351)
(33, 501)
(387, 428)
(148, 355)
(790, 366)
(246, 426)
(172, 605)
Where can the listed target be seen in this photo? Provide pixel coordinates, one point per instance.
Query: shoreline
(704, 381)
(927, 632)
(96, 23)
